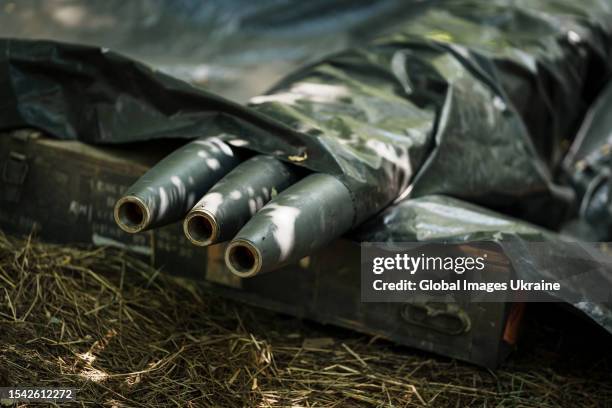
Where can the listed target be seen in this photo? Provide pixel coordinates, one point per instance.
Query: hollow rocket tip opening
(201, 229)
(131, 214)
(243, 259)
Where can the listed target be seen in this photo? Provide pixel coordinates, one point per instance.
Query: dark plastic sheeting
(238, 47)
(530, 248)
(589, 167)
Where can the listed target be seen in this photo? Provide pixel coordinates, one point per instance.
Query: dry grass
(124, 335)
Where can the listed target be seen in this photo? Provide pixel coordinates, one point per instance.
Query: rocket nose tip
(243, 259)
(131, 214)
(201, 228)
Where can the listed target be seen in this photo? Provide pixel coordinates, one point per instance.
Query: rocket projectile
(301, 219)
(166, 192)
(229, 204)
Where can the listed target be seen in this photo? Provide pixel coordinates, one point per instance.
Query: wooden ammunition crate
(65, 192)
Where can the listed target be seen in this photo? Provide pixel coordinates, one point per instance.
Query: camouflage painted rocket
(166, 192)
(235, 198)
(303, 218)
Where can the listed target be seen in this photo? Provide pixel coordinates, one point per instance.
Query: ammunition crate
(65, 192)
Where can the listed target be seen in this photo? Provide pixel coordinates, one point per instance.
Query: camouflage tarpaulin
(439, 218)
(238, 47)
(588, 165)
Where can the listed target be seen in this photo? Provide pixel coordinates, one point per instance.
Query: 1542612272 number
(37, 394)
